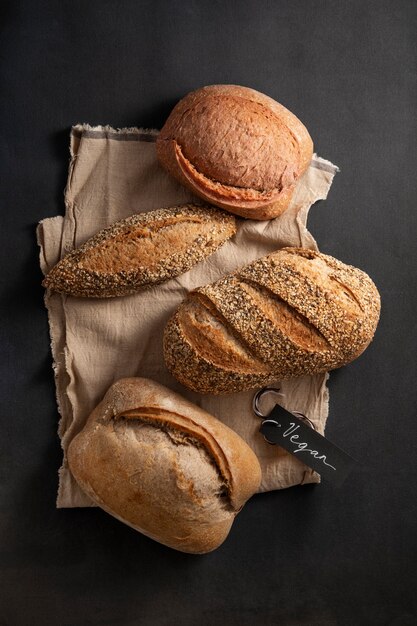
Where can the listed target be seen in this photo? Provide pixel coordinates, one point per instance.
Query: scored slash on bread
(236, 148)
(141, 250)
(164, 466)
(292, 313)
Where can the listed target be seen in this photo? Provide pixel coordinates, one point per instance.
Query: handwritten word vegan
(303, 446)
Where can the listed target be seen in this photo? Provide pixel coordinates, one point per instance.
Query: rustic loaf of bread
(164, 466)
(141, 250)
(292, 313)
(236, 148)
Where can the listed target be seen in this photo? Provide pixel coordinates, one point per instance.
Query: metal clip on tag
(265, 418)
(295, 433)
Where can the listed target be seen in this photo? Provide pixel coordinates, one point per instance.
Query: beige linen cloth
(113, 174)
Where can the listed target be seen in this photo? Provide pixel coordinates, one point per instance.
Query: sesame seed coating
(141, 250)
(295, 312)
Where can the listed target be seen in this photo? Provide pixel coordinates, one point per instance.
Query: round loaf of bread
(292, 313)
(236, 148)
(164, 466)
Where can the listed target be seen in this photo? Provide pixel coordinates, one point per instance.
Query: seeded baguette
(292, 313)
(164, 466)
(236, 148)
(141, 250)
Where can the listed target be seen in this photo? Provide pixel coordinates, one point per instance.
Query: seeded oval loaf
(141, 250)
(164, 466)
(292, 313)
(236, 148)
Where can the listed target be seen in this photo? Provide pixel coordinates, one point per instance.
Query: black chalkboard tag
(291, 433)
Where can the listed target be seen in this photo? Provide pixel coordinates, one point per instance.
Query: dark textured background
(309, 556)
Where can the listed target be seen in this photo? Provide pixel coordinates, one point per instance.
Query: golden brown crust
(141, 250)
(201, 373)
(295, 312)
(236, 148)
(164, 466)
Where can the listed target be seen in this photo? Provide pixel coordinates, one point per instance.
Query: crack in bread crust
(222, 345)
(292, 309)
(142, 250)
(236, 148)
(180, 435)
